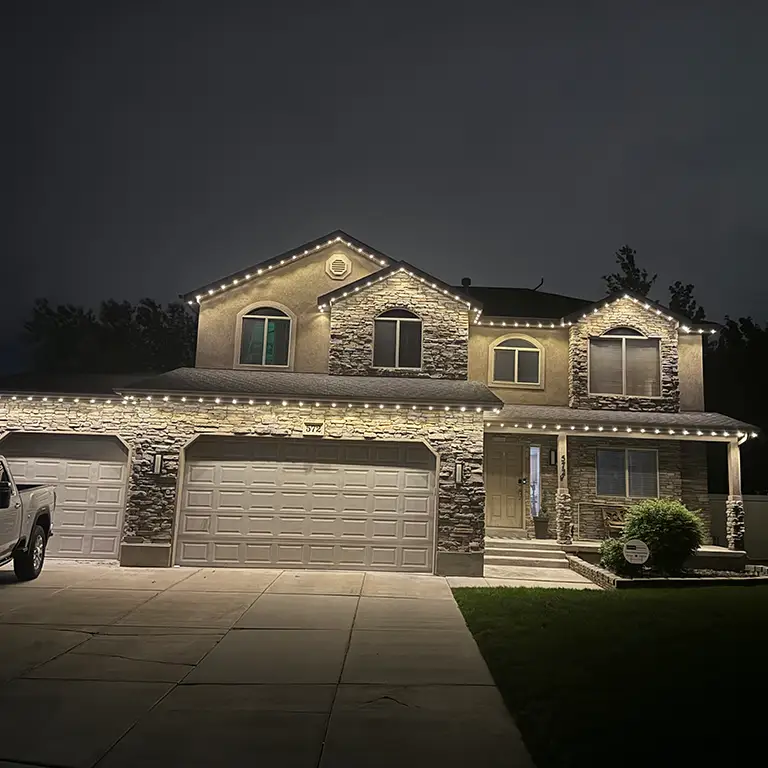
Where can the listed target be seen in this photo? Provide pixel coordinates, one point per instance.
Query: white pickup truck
(26, 523)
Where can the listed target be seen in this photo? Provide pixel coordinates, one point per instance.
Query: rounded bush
(671, 531)
(612, 558)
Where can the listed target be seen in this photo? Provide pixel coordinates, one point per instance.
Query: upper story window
(516, 361)
(624, 362)
(265, 337)
(397, 340)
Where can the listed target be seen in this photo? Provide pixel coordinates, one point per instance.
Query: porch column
(734, 506)
(563, 518)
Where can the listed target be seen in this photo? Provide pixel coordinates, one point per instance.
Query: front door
(505, 483)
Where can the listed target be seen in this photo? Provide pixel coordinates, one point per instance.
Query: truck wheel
(27, 565)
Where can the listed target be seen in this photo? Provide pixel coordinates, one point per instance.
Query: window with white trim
(265, 337)
(628, 473)
(397, 340)
(516, 361)
(624, 362)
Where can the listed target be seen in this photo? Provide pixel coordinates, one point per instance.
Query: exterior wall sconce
(459, 473)
(552, 457)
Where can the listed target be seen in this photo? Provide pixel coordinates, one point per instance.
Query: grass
(652, 678)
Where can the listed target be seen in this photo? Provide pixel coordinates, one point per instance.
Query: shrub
(671, 531)
(612, 558)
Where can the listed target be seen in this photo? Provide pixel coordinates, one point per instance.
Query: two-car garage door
(89, 473)
(307, 504)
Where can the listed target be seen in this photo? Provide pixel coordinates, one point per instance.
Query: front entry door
(505, 484)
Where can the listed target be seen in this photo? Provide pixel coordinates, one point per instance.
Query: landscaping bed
(752, 575)
(647, 677)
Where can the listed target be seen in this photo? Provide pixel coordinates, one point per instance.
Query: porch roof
(317, 386)
(547, 418)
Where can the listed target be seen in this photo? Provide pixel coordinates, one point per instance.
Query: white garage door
(307, 504)
(89, 474)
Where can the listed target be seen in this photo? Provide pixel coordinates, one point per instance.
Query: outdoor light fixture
(459, 473)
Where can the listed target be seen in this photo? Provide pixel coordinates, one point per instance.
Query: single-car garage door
(89, 473)
(307, 504)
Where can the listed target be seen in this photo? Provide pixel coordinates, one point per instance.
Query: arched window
(516, 361)
(623, 361)
(265, 337)
(397, 340)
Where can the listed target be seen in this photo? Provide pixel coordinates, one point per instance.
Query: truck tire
(28, 564)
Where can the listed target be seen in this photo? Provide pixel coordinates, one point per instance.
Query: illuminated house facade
(347, 410)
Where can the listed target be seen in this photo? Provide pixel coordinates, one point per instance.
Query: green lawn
(653, 678)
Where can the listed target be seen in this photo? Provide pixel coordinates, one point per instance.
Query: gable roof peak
(429, 281)
(235, 279)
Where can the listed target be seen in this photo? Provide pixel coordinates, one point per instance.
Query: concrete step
(537, 544)
(531, 562)
(541, 554)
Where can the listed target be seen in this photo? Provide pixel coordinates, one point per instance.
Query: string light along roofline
(265, 267)
(160, 399)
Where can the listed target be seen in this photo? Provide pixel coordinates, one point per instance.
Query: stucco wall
(691, 367)
(149, 428)
(624, 312)
(445, 329)
(295, 286)
(554, 343)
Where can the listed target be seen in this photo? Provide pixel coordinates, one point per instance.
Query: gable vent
(338, 266)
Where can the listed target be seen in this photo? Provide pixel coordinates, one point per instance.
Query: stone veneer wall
(682, 475)
(149, 428)
(624, 312)
(445, 329)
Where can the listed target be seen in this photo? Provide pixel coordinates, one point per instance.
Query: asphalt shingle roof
(524, 302)
(318, 386)
(552, 415)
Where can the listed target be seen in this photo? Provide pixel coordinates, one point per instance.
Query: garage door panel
(192, 523)
(90, 488)
(230, 474)
(201, 473)
(197, 499)
(310, 508)
(106, 519)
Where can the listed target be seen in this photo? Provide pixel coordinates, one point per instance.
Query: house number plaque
(314, 428)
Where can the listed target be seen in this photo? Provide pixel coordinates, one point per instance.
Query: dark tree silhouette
(629, 277)
(119, 337)
(681, 300)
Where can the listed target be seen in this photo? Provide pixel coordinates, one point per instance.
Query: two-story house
(347, 410)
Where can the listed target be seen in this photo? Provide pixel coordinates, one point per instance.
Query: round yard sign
(636, 552)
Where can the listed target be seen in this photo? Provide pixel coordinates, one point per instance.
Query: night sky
(153, 146)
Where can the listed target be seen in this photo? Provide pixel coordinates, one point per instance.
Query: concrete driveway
(198, 667)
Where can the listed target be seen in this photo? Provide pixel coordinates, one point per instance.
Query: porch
(567, 475)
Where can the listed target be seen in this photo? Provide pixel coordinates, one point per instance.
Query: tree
(629, 277)
(681, 300)
(119, 338)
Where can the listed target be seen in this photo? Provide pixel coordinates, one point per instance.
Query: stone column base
(145, 555)
(734, 522)
(563, 516)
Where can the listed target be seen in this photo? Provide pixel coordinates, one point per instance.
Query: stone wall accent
(678, 479)
(564, 516)
(600, 576)
(734, 522)
(624, 312)
(445, 329)
(156, 427)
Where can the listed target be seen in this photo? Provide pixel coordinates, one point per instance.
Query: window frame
(496, 344)
(246, 313)
(626, 452)
(397, 320)
(623, 338)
